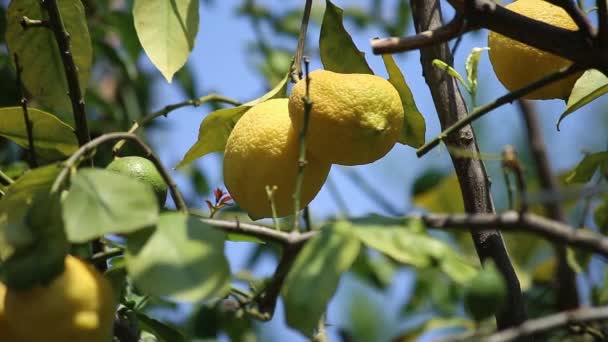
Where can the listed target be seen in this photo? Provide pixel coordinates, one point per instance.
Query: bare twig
(168, 109)
(510, 161)
(566, 293)
(439, 35)
(471, 172)
(541, 325)
(71, 71)
(29, 126)
(302, 155)
(87, 150)
(296, 67)
(480, 111)
(529, 223)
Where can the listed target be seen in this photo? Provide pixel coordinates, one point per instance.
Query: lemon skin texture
(143, 170)
(263, 149)
(517, 64)
(6, 333)
(355, 118)
(77, 306)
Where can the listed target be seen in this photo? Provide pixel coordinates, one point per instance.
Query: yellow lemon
(77, 306)
(355, 118)
(263, 150)
(517, 64)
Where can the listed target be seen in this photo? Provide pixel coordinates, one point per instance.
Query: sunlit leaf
(585, 169)
(216, 127)
(182, 259)
(587, 88)
(318, 268)
(443, 66)
(337, 49)
(43, 72)
(102, 202)
(445, 197)
(471, 67)
(167, 31)
(414, 126)
(52, 138)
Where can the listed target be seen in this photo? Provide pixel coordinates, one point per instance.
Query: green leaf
(414, 126)
(600, 216)
(103, 202)
(43, 73)
(585, 169)
(163, 331)
(587, 88)
(216, 127)
(457, 267)
(441, 65)
(183, 259)
(314, 277)
(445, 197)
(167, 31)
(471, 67)
(53, 138)
(14, 206)
(337, 49)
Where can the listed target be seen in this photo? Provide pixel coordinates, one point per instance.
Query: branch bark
(470, 171)
(566, 294)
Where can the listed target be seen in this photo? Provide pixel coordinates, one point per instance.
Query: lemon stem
(270, 193)
(302, 158)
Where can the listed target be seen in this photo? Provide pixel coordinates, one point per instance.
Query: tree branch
(578, 16)
(296, 67)
(507, 98)
(168, 109)
(566, 293)
(513, 221)
(87, 150)
(541, 325)
(29, 126)
(71, 71)
(471, 172)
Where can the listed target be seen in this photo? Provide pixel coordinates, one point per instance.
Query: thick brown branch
(471, 172)
(552, 230)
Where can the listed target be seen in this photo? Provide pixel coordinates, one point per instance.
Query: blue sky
(222, 64)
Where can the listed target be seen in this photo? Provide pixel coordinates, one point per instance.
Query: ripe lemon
(77, 306)
(144, 170)
(517, 64)
(355, 118)
(263, 149)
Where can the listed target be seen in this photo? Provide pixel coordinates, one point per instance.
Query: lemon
(517, 64)
(6, 334)
(485, 293)
(355, 118)
(144, 170)
(263, 150)
(77, 306)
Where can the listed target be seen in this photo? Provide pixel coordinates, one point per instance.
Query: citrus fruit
(355, 118)
(76, 306)
(144, 170)
(263, 150)
(517, 64)
(485, 293)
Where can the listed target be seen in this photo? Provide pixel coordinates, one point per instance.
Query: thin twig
(168, 109)
(528, 223)
(480, 111)
(273, 208)
(71, 72)
(566, 293)
(296, 67)
(442, 34)
(510, 161)
(105, 255)
(27, 23)
(302, 155)
(541, 325)
(5, 178)
(86, 151)
(29, 126)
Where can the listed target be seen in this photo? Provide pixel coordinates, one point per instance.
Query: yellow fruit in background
(77, 306)
(263, 149)
(517, 64)
(355, 118)
(6, 334)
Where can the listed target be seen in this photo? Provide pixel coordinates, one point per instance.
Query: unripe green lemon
(144, 170)
(517, 64)
(485, 293)
(77, 306)
(355, 118)
(263, 150)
